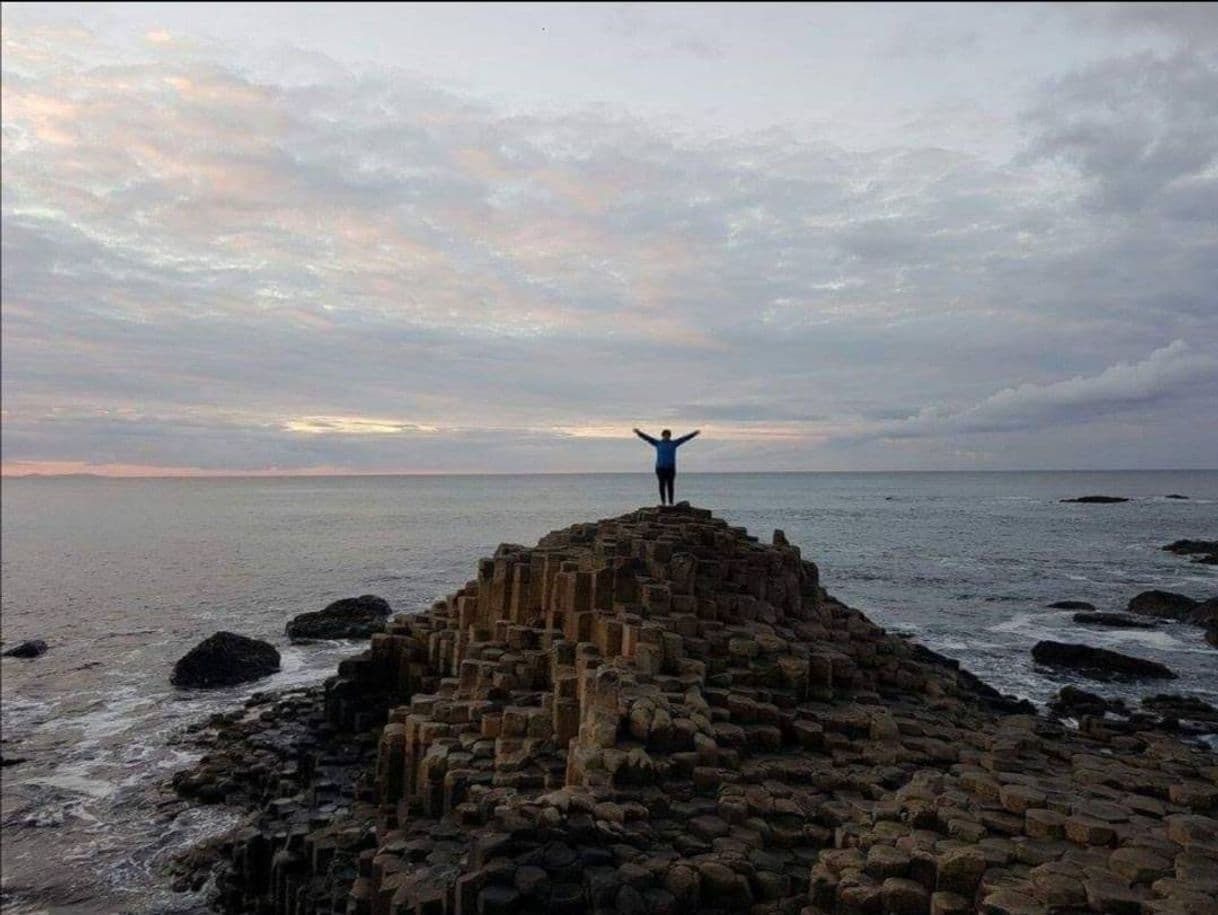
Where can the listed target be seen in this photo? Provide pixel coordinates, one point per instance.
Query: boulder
(1098, 663)
(30, 649)
(225, 659)
(1071, 605)
(1112, 620)
(1163, 604)
(1097, 500)
(1174, 495)
(1204, 551)
(349, 618)
(1071, 701)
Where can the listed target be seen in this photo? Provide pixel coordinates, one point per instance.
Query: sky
(311, 238)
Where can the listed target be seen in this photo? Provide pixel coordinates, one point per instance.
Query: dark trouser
(666, 476)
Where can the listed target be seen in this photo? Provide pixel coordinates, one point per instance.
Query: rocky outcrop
(1098, 663)
(1203, 551)
(225, 659)
(1171, 606)
(28, 649)
(1166, 605)
(1072, 701)
(349, 618)
(659, 714)
(1097, 500)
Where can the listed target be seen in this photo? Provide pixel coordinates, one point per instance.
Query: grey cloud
(1176, 371)
(258, 249)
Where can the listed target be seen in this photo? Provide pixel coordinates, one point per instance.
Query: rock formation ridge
(659, 714)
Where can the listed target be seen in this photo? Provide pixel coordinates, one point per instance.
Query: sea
(123, 576)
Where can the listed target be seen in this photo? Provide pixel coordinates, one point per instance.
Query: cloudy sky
(495, 238)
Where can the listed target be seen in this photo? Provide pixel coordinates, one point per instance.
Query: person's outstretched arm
(645, 437)
(685, 438)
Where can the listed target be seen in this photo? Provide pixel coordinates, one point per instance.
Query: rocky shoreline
(660, 714)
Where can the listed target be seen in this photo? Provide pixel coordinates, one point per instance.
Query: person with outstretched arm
(666, 459)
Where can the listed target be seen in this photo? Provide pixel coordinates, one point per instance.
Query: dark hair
(666, 433)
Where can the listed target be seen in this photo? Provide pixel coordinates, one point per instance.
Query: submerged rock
(1097, 500)
(1098, 663)
(225, 659)
(1174, 495)
(1071, 605)
(349, 618)
(29, 649)
(1112, 620)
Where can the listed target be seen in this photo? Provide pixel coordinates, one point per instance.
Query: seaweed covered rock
(225, 659)
(349, 618)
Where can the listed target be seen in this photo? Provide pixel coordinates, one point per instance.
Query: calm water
(121, 577)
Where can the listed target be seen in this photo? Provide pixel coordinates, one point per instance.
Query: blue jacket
(666, 449)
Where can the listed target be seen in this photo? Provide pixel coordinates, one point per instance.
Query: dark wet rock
(1177, 706)
(349, 618)
(6, 761)
(1112, 621)
(1174, 495)
(30, 649)
(1097, 500)
(1203, 551)
(1072, 701)
(1098, 663)
(1165, 605)
(1071, 605)
(225, 659)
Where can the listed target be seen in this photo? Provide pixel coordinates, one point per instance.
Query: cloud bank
(217, 269)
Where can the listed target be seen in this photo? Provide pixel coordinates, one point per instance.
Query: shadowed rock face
(658, 713)
(225, 659)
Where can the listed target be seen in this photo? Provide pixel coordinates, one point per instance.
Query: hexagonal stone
(1010, 902)
(960, 871)
(1189, 829)
(1139, 865)
(904, 897)
(1088, 831)
(1200, 796)
(1112, 897)
(709, 827)
(1058, 891)
(884, 861)
(1040, 823)
(1018, 798)
(944, 903)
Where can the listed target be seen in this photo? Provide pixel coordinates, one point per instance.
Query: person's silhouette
(666, 459)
